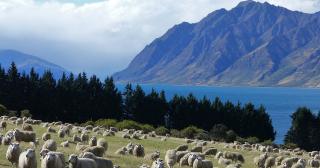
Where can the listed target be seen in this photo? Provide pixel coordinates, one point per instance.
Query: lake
(280, 103)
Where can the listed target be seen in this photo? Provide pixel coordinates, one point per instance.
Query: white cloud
(102, 37)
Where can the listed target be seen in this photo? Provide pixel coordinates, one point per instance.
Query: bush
(290, 146)
(267, 143)
(190, 132)
(231, 136)
(88, 123)
(219, 132)
(128, 124)
(146, 128)
(251, 140)
(25, 113)
(175, 133)
(161, 131)
(12, 113)
(3, 110)
(203, 136)
(106, 122)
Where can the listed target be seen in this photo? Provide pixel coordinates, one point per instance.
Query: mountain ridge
(256, 44)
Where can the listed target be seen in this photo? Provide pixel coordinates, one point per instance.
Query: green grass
(116, 142)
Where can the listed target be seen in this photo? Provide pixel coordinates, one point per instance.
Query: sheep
(19, 121)
(237, 165)
(234, 156)
(289, 161)
(27, 159)
(3, 125)
(61, 133)
(171, 157)
(210, 151)
(279, 160)
(184, 160)
(65, 144)
(196, 149)
(158, 163)
(80, 147)
(75, 162)
(93, 141)
(144, 166)
(102, 142)
(218, 155)
(300, 164)
(27, 127)
(50, 145)
(84, 137)
(113, 129)
(191, 159)
(52, 160)
(224, 161)
(121, 151)
(96, 150)
(138, 151)
(75, 138)
(270, 162)
(314, 163)
(199, 163)
(126, 135)
(182, 148)
(44, 152)
(152, 156)
(51, 129)
(129, 148)
(6, 140)
(46, 136)
(260, 160)
(25, 136)
(101, 162)
(13, 153)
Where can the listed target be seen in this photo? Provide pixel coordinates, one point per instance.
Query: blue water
(280, 103)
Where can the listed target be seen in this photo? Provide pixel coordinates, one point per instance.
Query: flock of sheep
(93, 150)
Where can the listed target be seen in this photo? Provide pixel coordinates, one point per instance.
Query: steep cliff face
(251, 44)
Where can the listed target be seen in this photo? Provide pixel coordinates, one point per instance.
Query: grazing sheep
(184, 160)
(51, 129)
(13, 153)
(25, 136)
(19, 121)
(61, 133)
(191, 159)
(237, 165)
(180, 154)
(84, 137)
(218, 155)
(75, 162)
(96, 150)
(6, 140)
(80, 147)
(44, 152)
(224, 161)
(188, 140)
(279, 160)
(288, 162)
(210, 151)
(65, 144)
(182, 148)
(101, 162)
(3, 125)
(199, 163)
(46, 136)
(121, 151)
(234, 156)
(314, 163)
(126, 136)
(102, 142)
(196, 149)
(93, 141)
(27, 159)
(300, 164)
(270, 162)
(75, 138)
(50, 144)
(158, 163)
(171, 158)
(260, 160)
(152, 156)
(138, 151)
(52, 160)
(27, 127)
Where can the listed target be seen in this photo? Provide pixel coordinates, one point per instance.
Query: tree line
(79, 98)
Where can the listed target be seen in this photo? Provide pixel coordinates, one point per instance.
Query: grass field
(116, 142)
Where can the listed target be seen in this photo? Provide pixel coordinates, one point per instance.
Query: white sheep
(52, 160)
(27, 159)
(314, 163)
(270, 162)
(210, 151)
(93, 141)
(3, 125)
(171, 158)
(182, 148)
(158, 163)
(84, 137)
(65, 144)
(75, 162)
(152, 156)
(191, 159)
(102, 142)
(138, 151)
(25, 136)
(199, 163)
(75, 138)
(50, 145)
(300, 164)
(101, 162)
(96, 150)
(46, 136)
(13, 153)
(44, 152)
(224, 161)
(260, 160)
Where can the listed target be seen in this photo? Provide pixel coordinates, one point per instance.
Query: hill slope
(254, 43)
(25, 62)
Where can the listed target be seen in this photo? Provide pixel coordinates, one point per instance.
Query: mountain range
(252, 44)
(25, 62)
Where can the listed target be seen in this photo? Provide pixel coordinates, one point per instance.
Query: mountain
(255, 44)
(25, 62)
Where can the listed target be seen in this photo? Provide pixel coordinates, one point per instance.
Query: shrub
(190, 132)
(230, 136)
(88, 123)
(25, 113)
(290, 145)
(12, 113)
(252, 140)
(175, 133)
(267, 143)
(161, 131)
(106, 122)
(128, 124)
(203, 136)
(219, 132)
(3, 110)
(146, 128)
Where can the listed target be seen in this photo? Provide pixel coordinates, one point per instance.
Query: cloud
(102, 37)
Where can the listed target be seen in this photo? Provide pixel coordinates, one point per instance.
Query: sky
(102, 36)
